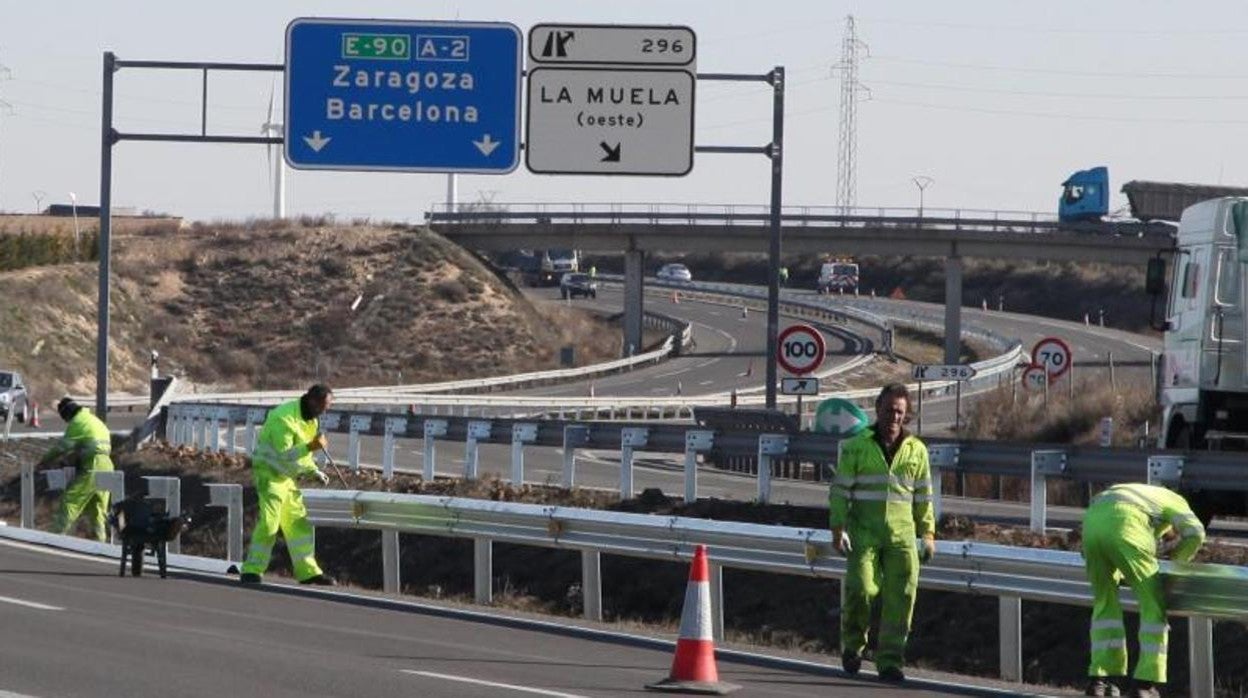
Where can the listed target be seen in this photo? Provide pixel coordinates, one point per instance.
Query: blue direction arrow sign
(403, 96)
(840, 417)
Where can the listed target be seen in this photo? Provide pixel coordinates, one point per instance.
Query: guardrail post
(630, 438)
(390, 562)
(574, 435)
(230, 496)
(695, 440)
(433, 429)
(1043, 464)
(255, 416)
(521, 434)
(28, 494)
(716, 572)
(483, 570)
(1165, 470)
(394, 425)
(170, 490)
(358, 423)
(941, 457)
(227, 415)
(1011, 637)
(476, 431)
(591, 584)
(59, 478)
(769, 445)
(214, 429)
(201, 428)
(1200, 656)
(114, 483)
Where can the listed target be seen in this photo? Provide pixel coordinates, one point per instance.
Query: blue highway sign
(403, 96)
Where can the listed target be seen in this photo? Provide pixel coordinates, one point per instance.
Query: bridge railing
(1201, 591)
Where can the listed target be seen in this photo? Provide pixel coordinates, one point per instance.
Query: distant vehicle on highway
(839, 276)
(13, 398)
(674, 272)
(573, 285)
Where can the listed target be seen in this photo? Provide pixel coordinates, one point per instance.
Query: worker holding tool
(1120, 533)
(86, 446)
(879, 504)
(284, 448)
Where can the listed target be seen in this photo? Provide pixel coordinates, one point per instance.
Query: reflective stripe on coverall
(883, 507)
(281, 455)
(1120, 533)
(88, 439)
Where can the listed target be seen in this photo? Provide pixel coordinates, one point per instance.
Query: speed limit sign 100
(801, 349)
(1053, 354)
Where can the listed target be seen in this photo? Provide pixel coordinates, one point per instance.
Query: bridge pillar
(634, 279)
(953, 308)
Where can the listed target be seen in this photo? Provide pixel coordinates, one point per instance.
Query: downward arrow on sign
(316, 141)
(486, 145)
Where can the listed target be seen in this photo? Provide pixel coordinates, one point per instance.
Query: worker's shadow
(53, 573)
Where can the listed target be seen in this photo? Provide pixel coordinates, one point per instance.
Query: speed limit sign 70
(1053, 354)
(801, 349)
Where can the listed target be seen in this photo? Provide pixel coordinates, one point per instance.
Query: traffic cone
(693, 667)
(591, 388)
(34, 417)
(676, 297)
(745, 312)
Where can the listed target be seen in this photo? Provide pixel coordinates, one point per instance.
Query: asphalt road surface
(73, 628)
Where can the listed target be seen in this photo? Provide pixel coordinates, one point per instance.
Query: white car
(674, 272)
(13, 396)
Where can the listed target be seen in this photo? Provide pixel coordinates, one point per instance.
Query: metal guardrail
(203, 424)
(1201, 591)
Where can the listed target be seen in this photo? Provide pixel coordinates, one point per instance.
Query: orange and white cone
(34, 417)
(693, 667)
(676, 297)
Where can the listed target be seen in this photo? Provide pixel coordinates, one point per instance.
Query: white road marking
(706, 382)
(29, 604)
(10, 694)
(492, 684)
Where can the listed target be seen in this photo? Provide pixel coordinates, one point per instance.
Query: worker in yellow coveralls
(87, 446)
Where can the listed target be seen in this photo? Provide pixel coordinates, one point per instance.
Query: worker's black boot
(320, 580)
(851, 662)
(892, 674)
(249, 578)
(1101, 686)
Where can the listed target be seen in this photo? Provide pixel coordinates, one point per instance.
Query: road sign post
(395, 95)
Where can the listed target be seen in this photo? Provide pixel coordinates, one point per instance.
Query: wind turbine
(269, 127)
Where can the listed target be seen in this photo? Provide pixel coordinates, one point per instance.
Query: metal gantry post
(769, 446)
(394, 425)
(433, 430)
(521, 434)
(1043, 464)
(476, 432)
(695, 440)
(630, 438)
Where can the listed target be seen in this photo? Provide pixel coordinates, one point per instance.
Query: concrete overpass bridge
(636, 229)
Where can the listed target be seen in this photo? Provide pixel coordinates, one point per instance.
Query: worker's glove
(318, 443)
(927, 550)
(840, 541)
(321, 476)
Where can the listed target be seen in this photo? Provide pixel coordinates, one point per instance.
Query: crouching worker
(284, 448)
(86, 446)
(1120, 533)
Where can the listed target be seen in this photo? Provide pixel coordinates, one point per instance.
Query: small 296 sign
(945, 372)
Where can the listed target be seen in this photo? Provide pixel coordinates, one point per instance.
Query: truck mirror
(1155, 277)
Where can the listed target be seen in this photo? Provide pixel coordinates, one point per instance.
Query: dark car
(576, 284)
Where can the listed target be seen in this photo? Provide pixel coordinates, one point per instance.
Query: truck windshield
(6, 380)
(1228, 277)
(560, 254)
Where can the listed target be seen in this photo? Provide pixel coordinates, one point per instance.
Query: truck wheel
(593, 294)
(21, 416)
(564, 294)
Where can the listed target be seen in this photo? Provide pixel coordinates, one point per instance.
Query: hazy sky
(996, 101)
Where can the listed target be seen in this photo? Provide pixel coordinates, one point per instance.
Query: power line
(1076, 95)
(1057, 71)
(1064, 115)
(1030, 29)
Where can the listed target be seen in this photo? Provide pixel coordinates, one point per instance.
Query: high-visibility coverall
(884, 507)
(1120, 533)
(280, 457)
(88, 445)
